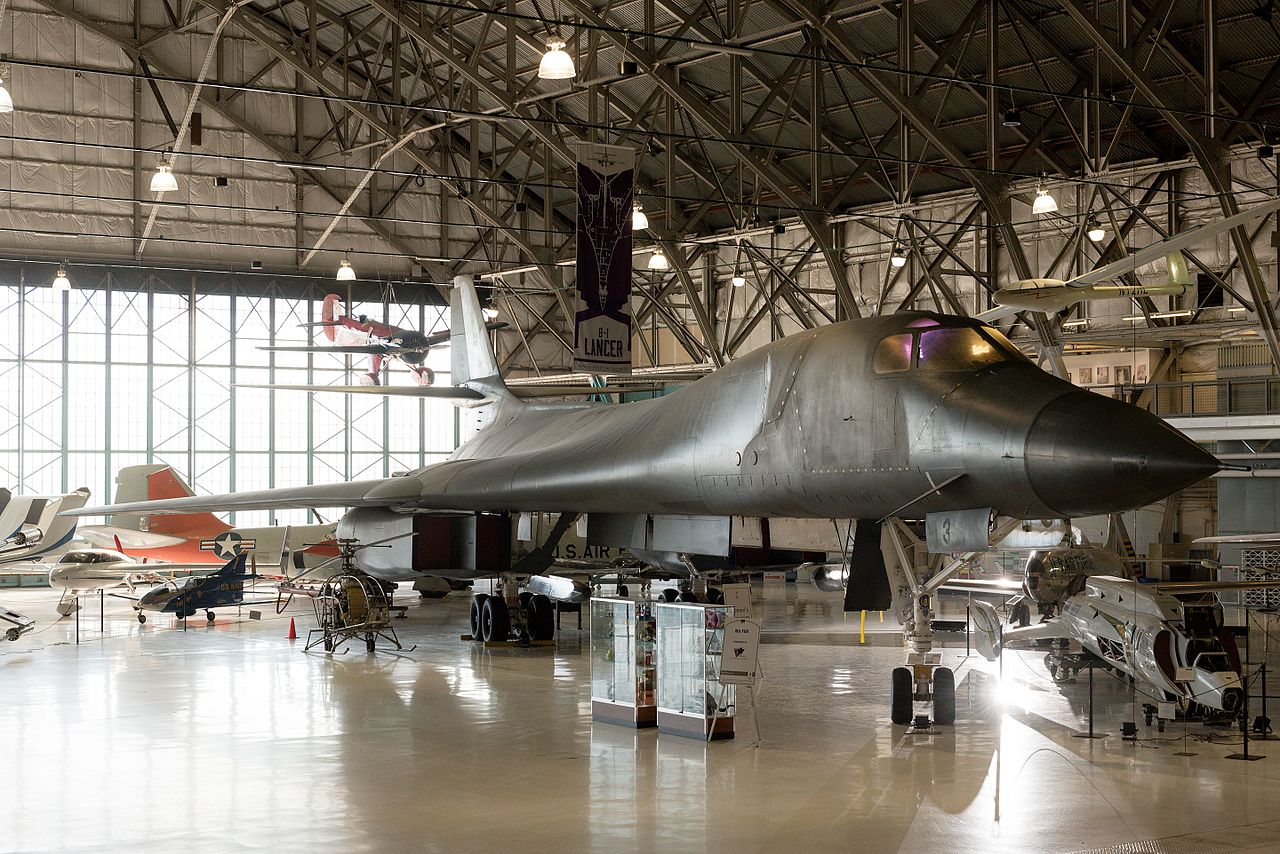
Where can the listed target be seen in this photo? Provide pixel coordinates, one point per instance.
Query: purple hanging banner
(602, 329)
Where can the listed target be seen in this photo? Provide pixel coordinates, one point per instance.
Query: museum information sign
(741, 652)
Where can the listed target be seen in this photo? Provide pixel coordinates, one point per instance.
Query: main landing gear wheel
(540, 617)
(142, 618)
(670, 594)
(900, 696)
(477, 605)
(944, 696)
(495, 625)
(715, 596)
(687, 596)
(208, 615)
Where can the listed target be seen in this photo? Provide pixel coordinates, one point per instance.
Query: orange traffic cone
(293, 630)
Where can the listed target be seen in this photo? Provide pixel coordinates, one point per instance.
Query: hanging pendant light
(639, 221)
(62, 282)
(556, 64)
(164, 181)
(346, 273)
(1096, 232)
(658, 261)
(898, 258)
(738, 279)
(1044, 202)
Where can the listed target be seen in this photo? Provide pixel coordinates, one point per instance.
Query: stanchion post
(1244, 711)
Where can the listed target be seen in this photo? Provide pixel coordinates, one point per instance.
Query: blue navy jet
(183, 597)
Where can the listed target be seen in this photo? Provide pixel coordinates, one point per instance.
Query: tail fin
(153, 482)
(329, 315)
(235, 566)
(473, 359)
(32, 526)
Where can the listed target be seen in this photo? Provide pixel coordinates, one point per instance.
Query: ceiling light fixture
(346, 273)
(658, 261)
(1044, 202)
(897, 258)
(1096, 232)
(556, 64)
(489, 312)
(639, 221)
(738, 279)
(1012, 118)
(164, 181)
(1083, 321)
(62, 282)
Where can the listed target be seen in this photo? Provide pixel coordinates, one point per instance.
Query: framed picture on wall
(1103, 375)
(1123, 375)
(1086, 376)
(1141, 375)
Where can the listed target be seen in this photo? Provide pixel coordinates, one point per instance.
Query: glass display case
(623, 662)
(691, 700)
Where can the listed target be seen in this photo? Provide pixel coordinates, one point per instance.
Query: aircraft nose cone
(1087, 454)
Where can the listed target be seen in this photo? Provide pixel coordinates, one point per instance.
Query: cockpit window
(1005, 344)
(893, 354)
(76, 557)
(958, 349)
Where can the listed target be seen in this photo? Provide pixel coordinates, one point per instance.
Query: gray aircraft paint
(802, 427)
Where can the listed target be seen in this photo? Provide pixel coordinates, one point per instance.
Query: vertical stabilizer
(153, 482)
(473, 360)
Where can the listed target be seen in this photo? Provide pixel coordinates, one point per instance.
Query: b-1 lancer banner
(602, 329)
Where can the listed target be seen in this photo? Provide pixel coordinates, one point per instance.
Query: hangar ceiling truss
(790, 138)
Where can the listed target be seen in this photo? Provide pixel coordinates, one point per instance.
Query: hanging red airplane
(360, 334)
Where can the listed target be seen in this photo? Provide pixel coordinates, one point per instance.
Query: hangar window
(893, 354)
(958, 349)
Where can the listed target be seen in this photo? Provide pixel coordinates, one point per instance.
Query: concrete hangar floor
(149, 738)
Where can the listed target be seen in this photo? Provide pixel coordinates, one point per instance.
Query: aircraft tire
(687, 596)
(541, 617)
(477, 606)
(623, 593)
(494, 622)
(715, 596)
(142, 618)
(944, 696)
(1021, 615)
(670, 594)
(12, 635)
(525, 597)
(900, 696)
(208, 615)
(370, 644)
